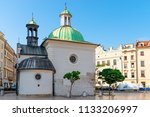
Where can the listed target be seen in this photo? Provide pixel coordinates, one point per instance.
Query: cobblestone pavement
(125, 96)
(12, 96)
(117, 96)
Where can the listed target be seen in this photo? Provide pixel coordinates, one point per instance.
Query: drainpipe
(53, 84)
(136, 51)
(17, 80)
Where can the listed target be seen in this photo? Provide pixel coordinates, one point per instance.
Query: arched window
(65, 20)
(35, 33)
(68, 20)
(30, 32)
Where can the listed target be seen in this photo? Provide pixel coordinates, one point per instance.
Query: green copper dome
(32, 22)
(65, 12)
(66, 33)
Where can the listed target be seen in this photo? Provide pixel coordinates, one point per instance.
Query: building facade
(143, 64)
(2, 41)
(34, 70)
(7, 63)
(129, 63)
(111, 58)
(123, 59)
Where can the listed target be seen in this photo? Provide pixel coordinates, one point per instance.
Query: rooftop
(36, 63)
(32, 50)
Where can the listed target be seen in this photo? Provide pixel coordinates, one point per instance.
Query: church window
(73, 58)
(38, 76)
(68, 20)
(65, 20)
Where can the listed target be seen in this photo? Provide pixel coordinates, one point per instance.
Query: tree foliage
(111, 76)
(72, 76)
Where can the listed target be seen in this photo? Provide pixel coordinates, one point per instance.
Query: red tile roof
(142, 44)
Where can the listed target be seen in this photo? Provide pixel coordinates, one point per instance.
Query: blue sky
(106, 22)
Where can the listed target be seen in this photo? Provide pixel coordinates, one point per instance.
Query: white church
(40, 69)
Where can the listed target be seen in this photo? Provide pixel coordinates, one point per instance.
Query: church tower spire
(65, 17)
(32, 33)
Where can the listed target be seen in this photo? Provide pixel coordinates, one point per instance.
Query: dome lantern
(66, 31)
(32, 33)
(65, 17)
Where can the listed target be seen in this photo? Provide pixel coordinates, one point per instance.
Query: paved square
(117, 96)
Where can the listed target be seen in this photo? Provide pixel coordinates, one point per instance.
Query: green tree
(72, 76)
(111, 76)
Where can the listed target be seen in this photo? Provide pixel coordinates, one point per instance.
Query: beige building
(7, 63)
(129, 63)
(143, 62)
(111, 58)
(123, 58)
(2, 41)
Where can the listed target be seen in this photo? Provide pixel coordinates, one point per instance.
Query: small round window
(73, 58)
(38, 76)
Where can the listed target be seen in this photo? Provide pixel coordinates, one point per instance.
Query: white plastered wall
(59, 53)
(29, 85)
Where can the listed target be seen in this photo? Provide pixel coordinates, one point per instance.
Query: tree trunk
(70, 94)
(109, 88)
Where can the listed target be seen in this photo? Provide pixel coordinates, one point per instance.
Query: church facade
(40, 69)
